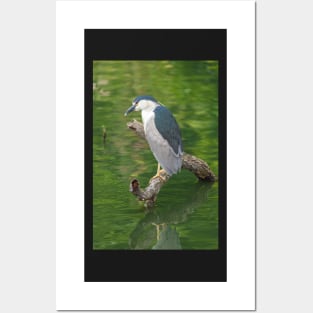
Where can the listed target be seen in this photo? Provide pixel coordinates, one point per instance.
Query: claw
(158, 174)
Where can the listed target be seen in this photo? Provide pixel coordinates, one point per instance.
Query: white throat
(146, 107)
(146, 115)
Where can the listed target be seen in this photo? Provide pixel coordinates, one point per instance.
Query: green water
(186, 212)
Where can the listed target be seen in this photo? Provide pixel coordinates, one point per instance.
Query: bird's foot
(160, 174)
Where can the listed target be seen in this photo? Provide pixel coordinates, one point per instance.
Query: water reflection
(167, 238)
(157, 229)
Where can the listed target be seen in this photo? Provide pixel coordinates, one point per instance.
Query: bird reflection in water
(157, 229)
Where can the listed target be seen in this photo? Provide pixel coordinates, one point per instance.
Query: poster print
(195, 241)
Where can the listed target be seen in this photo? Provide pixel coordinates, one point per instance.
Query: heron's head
(142, 103)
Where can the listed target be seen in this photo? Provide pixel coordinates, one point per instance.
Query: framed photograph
(185, 220)
(135, 94)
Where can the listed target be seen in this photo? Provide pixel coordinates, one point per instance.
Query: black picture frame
(156, 265)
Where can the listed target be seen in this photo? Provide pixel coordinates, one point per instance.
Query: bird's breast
(146, 118)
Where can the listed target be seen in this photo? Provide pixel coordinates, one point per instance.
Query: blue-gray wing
(168, 127)
(164, 138)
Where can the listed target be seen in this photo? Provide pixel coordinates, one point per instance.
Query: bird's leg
(158, 173)
(158, 170)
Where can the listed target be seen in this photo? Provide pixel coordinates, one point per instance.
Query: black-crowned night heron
(162, 133)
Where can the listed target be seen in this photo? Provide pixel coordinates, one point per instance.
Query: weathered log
(149, 194)
(197, 166)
